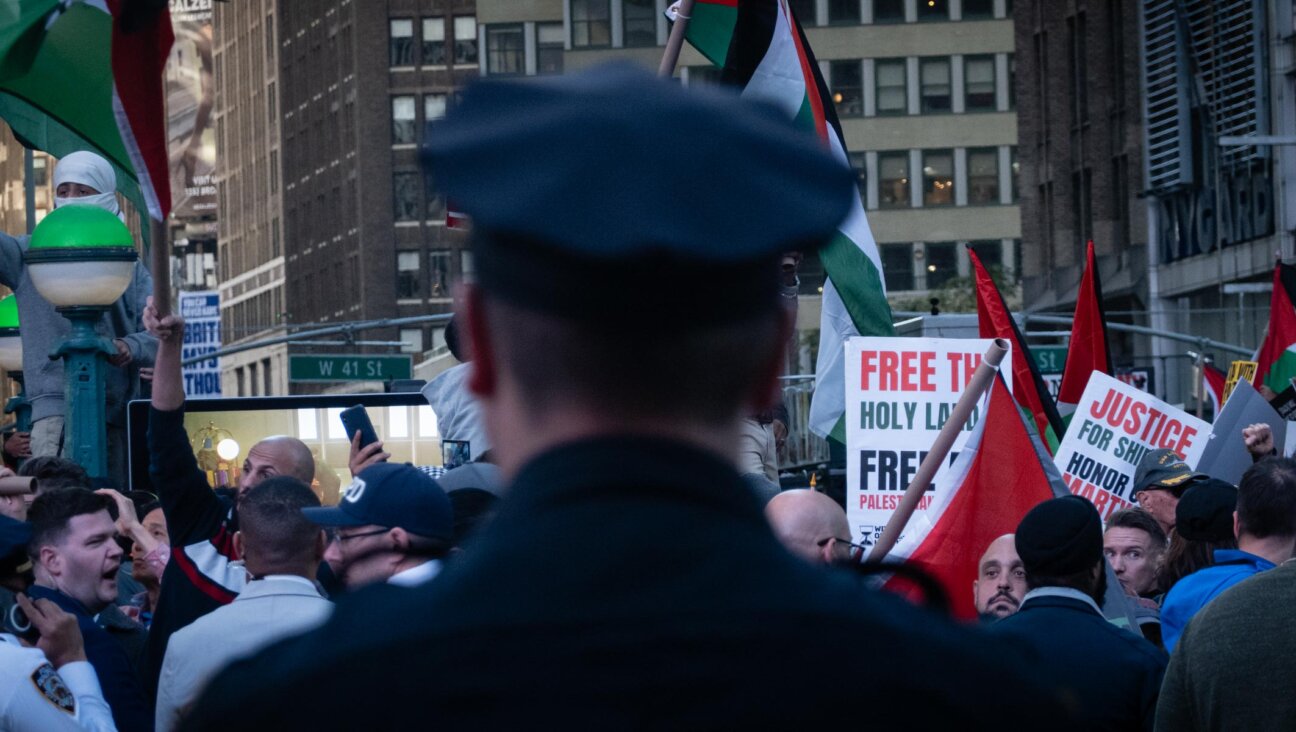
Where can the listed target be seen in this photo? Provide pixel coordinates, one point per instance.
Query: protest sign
(1113, 427)
(899, 393)
(1226, 456)
(201, 311)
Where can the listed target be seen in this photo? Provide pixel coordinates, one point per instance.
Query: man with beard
(812, 526)
(1001, 580)
(1114, 674)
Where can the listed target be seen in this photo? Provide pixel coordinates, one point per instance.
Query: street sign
(1049, 359)
(349, 367)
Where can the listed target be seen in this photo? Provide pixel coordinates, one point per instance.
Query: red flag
(1088, 351)
(996, 321)
(1214, 386)
(1002, 472)
(141, 43)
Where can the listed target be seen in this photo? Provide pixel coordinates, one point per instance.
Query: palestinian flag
(996, 321)
(1088, 351)
(1001, 473)
(1214, 383)
(1277, 356)
(88, 75)
(759, 46)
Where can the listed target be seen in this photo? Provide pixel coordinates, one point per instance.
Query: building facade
(324, 213)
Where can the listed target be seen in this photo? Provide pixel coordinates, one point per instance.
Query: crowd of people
(631, 575)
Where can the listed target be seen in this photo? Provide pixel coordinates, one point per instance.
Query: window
(934, 86)
(847, 81)
(990, 251)
(978, 9)
(893, 180)
(434, 45)
(403, 125)
(549, 48)
(436, 205)
(1120, 200)
(979, 83)
(938, 177)
(703, 75)
(439, 273)
(933, 10)
(1079, 70)
(434, 106)
(803, 11)
(1014, 169)
(405, 196)
(401, 43)
(505, 52)
(591, 23)
(465, 39)
(411, 342)
(843, 12)
(983, 175)
(888, 11)
(407, 275)
(942, 263)
(898, 266)
(40, 170)
(1012, 81)
(639, 19)
(1082, 207)
(892, 88)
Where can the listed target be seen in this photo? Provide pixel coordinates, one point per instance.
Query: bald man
(812, 526)
(201, 575)
(1001, 580)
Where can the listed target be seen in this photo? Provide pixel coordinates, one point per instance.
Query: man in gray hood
(81, 178)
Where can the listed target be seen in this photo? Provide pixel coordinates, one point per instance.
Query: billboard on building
(190, 90)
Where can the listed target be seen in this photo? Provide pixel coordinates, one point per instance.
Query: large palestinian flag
(1277, 356)
(759, 46)
(88, 75)
(996, 321)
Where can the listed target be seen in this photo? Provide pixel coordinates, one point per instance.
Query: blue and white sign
(201, 311)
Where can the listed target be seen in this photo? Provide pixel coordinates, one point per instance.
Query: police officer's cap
(612, 187)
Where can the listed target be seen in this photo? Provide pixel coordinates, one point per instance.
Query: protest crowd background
(607, 541)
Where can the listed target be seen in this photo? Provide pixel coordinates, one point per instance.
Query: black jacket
(1114, 674)
(628, 583)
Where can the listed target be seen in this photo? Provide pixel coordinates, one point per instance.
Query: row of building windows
(417, 279)
(412, 202)
(922, 85)
(508, 49)
(404, 115)
(433, 47)
(909, 266)
(972, 176)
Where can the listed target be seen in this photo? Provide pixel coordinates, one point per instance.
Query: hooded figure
(79, 178)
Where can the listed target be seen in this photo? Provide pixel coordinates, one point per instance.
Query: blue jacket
(1191, 593)
(121, 688)
(1114, 675)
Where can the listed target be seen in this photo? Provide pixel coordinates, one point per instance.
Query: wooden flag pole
(675, 43)
(981, 380)
(160, 266)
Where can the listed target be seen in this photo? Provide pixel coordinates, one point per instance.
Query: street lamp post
(11, 362)
(81, 260)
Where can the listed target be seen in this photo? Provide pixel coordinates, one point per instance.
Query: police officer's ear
(400, 540)
(484, 377)
(238, 544)
(767, 393)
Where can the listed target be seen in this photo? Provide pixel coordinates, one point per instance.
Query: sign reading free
(1113, 427)
(350, 367)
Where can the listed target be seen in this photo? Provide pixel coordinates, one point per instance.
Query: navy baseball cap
(392, 495)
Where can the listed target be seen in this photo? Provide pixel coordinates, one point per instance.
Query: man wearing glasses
(394, 524)
(813, 527)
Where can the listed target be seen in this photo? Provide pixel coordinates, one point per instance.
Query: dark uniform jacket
(1113, 674)
(131, 710)
(629, 583)
(201, 526)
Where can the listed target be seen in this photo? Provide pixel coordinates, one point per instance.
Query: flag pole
(981, 380)
(675, 43)
(160, 261)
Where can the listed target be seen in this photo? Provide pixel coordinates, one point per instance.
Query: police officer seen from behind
(627, 233)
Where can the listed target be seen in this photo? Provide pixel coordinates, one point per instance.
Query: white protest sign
(201, 311)
(899, 393)
(1113, 427)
